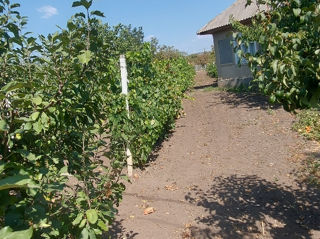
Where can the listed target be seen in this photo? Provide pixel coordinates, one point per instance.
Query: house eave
(224, 28)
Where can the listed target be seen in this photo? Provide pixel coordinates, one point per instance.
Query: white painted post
(124, 85)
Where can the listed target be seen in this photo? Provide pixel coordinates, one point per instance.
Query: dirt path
(227, 171)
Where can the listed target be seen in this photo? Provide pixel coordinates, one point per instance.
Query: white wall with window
(226, 59)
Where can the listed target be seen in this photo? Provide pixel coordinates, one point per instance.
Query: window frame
(231, 62)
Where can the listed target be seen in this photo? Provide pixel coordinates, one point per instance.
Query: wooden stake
(124, 85)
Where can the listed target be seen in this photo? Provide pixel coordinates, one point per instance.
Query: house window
(251, 49)
(225, 51)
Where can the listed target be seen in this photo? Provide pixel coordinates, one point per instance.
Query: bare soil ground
(227, 171)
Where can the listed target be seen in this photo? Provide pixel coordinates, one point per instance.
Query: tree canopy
(287, 65)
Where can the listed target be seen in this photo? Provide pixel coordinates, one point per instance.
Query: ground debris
(148, 210)
(171, 187)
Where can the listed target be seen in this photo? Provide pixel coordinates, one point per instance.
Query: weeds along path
(227, 171)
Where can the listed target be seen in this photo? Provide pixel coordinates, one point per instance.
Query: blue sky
(173, 22)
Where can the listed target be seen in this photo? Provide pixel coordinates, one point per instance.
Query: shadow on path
(247, 99)
(200, 87)
(249, 207)
(118, 231)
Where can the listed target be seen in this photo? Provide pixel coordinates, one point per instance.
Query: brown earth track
(227, 171)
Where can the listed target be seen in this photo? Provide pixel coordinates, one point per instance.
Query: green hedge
(64, 126)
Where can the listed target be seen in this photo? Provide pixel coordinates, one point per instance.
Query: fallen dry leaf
(188, 225)
(308, 129)
(187, 234)
(172, 187)
(148, 210)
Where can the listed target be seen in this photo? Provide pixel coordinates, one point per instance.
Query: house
(229, 70)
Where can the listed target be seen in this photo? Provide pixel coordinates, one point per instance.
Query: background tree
(202, 58)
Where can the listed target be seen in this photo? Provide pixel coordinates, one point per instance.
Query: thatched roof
(238, 10)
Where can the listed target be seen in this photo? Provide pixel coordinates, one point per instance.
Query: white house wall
(230, 70)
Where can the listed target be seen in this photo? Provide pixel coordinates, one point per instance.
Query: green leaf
(17, 181)
(272, 99)
(8, 233)
(13, 28)
(273, 26)
(37, 100)
(55, 160)
(13, 85)
(28, 155)
(97, 13)
(44, 118)
(273, 50)
(64, 170)
(28, 126)
(84, 234)
(35, 115)
(2, 167)
(22, 120)
(3, 125)
(37, 126)
(80, 14)
(298, 2)
(92, 216)
(282, 68)
(15, 5)
(92, 234)
(83, 223)
(84, 3)
(76, 4)
(44, 224)
(296, 11)
(78, 219)
(97, 231)
(85, 57)
(314, 101)
(293, 68)
(2, 96)
(274, 65)
(102, 225)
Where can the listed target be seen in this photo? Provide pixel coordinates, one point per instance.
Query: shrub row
(64, 126)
